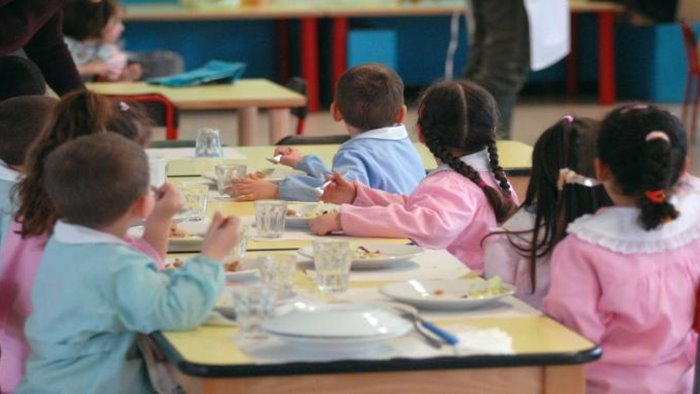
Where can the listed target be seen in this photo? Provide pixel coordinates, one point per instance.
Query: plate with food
(375, 255)
(449, 294)
(299, 215)
(183, 236)
(236, 270)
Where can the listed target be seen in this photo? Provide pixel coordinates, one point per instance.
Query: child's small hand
(132, 72)
(325, 224)
(290, 156)
(223, 233)
(169, 201)
(340, 191)
(248, 189)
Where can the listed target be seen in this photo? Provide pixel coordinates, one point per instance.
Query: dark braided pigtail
(497, 170)
(502, 207)
(652, 199)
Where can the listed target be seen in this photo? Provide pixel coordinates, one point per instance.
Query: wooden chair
(692, 86)
(159, 108)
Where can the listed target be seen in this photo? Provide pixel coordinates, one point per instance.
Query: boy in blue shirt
(93, 293)
(21, 121)
(369, 99)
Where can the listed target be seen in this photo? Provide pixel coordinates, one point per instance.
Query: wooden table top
(301, 9)
(243, 93)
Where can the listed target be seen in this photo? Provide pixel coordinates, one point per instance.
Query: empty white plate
(447, 294)
(379, 256)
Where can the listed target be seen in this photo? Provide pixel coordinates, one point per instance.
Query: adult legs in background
(499, 57)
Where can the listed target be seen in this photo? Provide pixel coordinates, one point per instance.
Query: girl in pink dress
(77, 114)
(457, 204)
(627, 276)
(519, 251)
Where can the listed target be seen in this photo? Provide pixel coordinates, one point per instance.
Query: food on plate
(257, 175)
(306, 215)
(364, 253)
(292, 212)
(177, 232)
(232, 266)
(493, 287)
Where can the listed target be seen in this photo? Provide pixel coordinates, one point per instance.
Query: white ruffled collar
(397, 132)
(479, 161)
(74, 234)
(8, 174)
(617, 228)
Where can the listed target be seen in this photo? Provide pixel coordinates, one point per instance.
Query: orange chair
(159, 108)
(692, 87)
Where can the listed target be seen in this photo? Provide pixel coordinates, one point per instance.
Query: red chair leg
(693, 122)
(686, 100)
(300, 126)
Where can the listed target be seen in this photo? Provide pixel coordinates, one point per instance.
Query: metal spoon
(274, 160)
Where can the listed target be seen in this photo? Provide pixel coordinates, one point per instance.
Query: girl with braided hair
(626, 277)
(457, 204)
(519, 251)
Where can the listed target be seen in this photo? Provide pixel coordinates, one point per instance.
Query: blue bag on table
(213, 72)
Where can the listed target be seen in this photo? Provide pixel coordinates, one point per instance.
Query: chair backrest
(691, 47)
(313, 139)
(299, 85)
(159, 108)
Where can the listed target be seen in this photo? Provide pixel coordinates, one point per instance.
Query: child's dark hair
(85, 19)
(369, 96)
(569, 143)
(20, 77)
(77, 114)
(461, 114)
(21, 121)
(94, 179)
(645, 148)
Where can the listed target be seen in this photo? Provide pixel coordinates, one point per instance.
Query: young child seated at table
(627, 276)
(93, 293)
(519, 251)
(17, 132)
(92, 30)
(369, 99)
(77, 114)
(456, 205)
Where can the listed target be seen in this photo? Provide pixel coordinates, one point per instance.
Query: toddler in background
(17, 132)
(77, 114)
(369, 99)
(456, 205)
(93, 293)
(92, 30)
(519, 251)
(627, 276)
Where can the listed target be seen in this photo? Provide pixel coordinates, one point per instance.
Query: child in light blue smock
(379, 154)
(93, 293)
(17, 132)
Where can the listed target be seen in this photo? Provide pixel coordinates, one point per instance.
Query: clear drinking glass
(278, 270)
(158, 170)
(226, 172)
(332, 260)
(252, 304)
(196, 200)
(241, 247)
(270, 217)
(208, 143)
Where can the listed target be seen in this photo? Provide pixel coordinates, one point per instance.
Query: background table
(246, 96)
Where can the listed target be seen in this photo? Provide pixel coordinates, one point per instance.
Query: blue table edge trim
(391, 365)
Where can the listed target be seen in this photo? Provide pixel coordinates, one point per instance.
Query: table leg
(283, 50)
(606, 57)
(564, 379)
(247, 125)
(280, 120)
(340, 49)
(309, 61)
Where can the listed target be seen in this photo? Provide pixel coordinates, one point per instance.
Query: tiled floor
(532, 116)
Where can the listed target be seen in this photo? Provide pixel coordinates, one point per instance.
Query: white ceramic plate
(299, 215)
(445, 294)
(386, 254)
(192, 242)
(337, 325)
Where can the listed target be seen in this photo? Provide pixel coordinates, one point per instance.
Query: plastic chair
(159, 108)
(298, 85)
(313, 139)
(692, 87)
